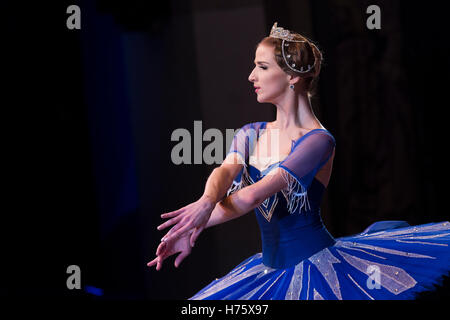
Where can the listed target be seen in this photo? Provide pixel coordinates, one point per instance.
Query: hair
(303, 54)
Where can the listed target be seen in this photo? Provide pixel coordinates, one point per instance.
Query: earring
(291, 86)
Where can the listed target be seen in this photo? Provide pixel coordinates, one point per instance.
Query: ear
(294, 79)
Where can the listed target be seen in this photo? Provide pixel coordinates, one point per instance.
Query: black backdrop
(89, 115)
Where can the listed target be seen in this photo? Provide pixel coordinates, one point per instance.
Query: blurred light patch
(93, 290)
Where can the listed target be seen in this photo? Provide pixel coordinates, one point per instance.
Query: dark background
(89, 115)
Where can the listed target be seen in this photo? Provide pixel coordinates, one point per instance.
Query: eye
(263, 67)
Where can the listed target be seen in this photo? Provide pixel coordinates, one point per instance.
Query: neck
(296, 112)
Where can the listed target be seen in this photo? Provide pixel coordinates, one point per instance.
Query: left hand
(193, 216)
(169, 248)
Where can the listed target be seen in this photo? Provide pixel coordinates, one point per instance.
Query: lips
(257, 89)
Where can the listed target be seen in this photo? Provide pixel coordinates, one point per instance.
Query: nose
(251, 77)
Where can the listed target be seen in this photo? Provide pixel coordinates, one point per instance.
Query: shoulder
(321, 134)
(316, 138)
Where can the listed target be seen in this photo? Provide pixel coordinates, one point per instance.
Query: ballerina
(283, 180)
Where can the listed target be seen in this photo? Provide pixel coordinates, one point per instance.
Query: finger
(152, 263)
(195, 235)
(159, 263)
(169, 234)
(171, 231)
(169, 223)
(161, 248)
(180, 232)
(180, 258)
(172, 214)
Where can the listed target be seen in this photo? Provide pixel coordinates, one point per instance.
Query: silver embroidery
(360, 288)
(395, 280)
(295, 286)
(245, 177)
(433, 236)
(324, 261)
(263, 207)
(309, 277)
(272, 284)
(247, 180)
(408, 232)
(234, 277)
(367, 252)
(251, 293)
(421, 242)
(317, 295)
(296, 195)
(347, 244)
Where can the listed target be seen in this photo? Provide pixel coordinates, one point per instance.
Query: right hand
(171, 247)
(192, 219)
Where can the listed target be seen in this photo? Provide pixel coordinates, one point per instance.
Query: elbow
(251, 198)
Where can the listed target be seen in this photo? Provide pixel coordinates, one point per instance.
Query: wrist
(208, 200)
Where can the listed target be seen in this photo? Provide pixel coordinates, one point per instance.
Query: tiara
(285, 35)
(280, 33)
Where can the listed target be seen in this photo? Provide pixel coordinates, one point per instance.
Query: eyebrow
(259, 62)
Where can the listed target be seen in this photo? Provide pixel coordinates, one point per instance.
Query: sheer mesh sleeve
(309, 154)
(242, 144)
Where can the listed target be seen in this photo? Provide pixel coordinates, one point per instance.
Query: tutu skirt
(387, 261)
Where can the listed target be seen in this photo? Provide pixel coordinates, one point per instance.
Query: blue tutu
(301, 260)
(384, 264)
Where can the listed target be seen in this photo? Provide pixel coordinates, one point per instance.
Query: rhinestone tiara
(285, 35)
(280, 33)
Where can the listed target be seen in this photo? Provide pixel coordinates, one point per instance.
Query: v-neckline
(293, 145)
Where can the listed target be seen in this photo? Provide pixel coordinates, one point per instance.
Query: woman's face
(270, 81)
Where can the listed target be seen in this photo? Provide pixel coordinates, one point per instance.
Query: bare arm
(198, 213)
(235, 205)
(231, 207)
(221, 179)
(217, 184)
(246, 199)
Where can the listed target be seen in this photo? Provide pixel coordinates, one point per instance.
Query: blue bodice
(288, 238)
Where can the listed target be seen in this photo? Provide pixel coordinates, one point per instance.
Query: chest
(270, 147)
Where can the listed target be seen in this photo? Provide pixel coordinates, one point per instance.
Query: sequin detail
(295, 286)
(267, 207)
(309, 278)
(295, 193)
(394, 279)
(409, 232)
(349, 244)
(254, 291)
(425, 243)
(276, 280)
(317, 295)
(245, 177)
(235, 276)
(324, 261)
